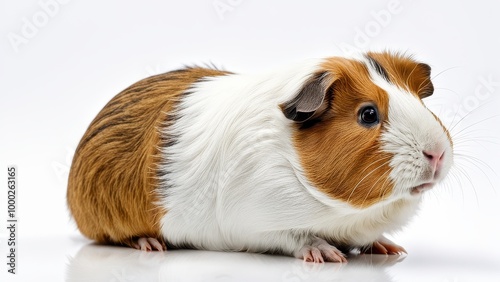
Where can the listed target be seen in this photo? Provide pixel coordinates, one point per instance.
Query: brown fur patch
(112, 182)
(406, 73)
(340, 157)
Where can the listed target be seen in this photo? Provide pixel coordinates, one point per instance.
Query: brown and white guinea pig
(324, 156)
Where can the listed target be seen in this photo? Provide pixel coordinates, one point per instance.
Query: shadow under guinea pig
(110, 263)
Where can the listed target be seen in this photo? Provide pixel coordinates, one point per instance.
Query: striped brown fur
(111, 187)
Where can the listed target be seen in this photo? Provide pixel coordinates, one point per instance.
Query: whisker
(385, 187)
(466, 175)
(476, 162)
(378, 167)
(382, 159)
(454, 177)
(452, 127)
(373, 185)
(479, 161)
(459, 172)
(476, 123)
(420, 87)
(474, 130)
(409, 75)
(479, 141)
(469, 136)
(443, 71)
(447, 89)
(344, 179)
(446, 186)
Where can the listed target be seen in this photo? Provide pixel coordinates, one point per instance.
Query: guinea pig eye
(368, 116)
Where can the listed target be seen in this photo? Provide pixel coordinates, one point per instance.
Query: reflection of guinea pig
(108, 263)
(322, 156)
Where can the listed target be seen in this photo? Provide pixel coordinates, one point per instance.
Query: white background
(60, 64)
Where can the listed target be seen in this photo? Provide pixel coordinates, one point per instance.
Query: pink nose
(434, 157)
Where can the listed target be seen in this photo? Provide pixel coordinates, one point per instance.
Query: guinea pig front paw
(384, 246)
(149, 244)
(319, 252)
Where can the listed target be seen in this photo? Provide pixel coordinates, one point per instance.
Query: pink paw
(385, 247)
(149, 244)
(319, 252)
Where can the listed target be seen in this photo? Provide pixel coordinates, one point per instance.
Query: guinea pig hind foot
(384, 246)
(320, 251)
(149, 244)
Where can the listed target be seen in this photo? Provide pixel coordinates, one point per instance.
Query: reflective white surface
(73, 258)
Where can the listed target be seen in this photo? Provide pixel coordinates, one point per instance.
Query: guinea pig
(312, 161)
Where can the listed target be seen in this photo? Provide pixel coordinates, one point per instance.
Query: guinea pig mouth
(421, 188)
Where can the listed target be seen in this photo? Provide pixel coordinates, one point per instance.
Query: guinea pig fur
(309, 161)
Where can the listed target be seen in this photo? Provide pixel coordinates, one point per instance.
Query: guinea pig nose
(434, 157)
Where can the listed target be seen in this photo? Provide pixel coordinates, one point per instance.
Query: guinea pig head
(362, 132)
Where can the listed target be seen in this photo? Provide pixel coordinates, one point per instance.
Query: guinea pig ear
(309, 100)
(423, 85)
